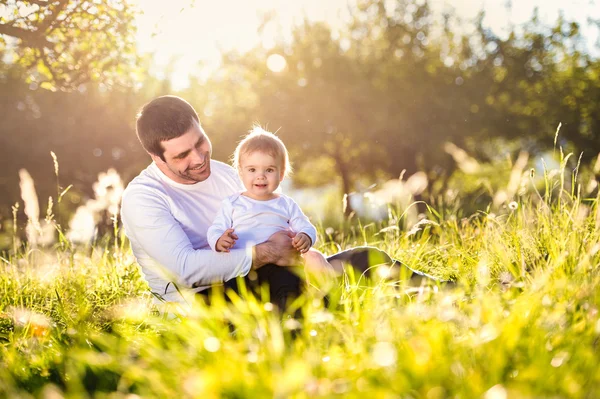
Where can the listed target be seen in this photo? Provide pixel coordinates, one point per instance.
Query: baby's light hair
(260, 140)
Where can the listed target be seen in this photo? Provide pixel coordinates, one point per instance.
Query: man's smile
(199, 167)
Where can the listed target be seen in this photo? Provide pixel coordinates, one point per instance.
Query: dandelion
(82, 226)
(513, 205)
(417, 183)
(108, 191)
(464, 162)
(29, 197)
(36, 323)
(37, 234)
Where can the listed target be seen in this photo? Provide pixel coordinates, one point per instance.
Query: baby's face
(261, 175)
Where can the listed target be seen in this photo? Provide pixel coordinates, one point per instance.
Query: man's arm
(150, 225)
(276, 250)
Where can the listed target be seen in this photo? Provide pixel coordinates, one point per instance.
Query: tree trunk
(344, 172)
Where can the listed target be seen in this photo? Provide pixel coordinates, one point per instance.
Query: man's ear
(156, 159)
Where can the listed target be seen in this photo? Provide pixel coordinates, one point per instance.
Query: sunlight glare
(276, 63)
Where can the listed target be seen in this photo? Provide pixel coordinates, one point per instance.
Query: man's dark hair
(164, 118)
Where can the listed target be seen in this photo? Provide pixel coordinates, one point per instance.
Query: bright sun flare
(189, 35)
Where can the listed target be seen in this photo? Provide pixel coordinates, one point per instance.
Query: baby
(252, 216)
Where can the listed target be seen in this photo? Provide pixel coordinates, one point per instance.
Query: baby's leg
(315, 262)
(319, 272)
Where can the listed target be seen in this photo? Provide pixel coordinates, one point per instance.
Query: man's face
(187, 157)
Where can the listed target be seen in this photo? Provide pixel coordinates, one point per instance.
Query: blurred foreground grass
(522, 320)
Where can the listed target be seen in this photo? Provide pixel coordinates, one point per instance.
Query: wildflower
(465, 162)
(30, 198)
(513, 205)
(417, 183)
(55, 160)
(38, 324)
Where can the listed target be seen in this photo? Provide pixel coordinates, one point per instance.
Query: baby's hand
(226, 241)
(302, 242)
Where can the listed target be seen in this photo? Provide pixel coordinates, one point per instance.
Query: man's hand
(302, 242)
(278, 249)
(226, 241)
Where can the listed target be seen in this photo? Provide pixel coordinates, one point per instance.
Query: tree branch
(32, 39)
(38, 2)
(48, 21)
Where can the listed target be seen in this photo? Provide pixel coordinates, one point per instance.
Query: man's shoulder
(225, 174)
(144, 183)
(222, 168)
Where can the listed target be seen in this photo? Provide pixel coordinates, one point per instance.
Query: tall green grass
(521, 321)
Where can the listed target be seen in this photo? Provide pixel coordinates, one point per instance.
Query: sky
(194, 32)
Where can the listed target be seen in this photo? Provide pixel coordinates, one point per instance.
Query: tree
(64, 43)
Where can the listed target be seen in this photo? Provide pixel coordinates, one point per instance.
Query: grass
(522, 320)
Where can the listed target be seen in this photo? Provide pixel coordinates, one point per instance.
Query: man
(168, 208)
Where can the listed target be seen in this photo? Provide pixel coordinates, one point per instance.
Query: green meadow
(519, 320)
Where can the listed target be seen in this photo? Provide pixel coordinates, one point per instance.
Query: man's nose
(198, 156)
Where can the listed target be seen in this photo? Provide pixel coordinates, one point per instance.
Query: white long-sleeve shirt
(255, 221)
(166, 223)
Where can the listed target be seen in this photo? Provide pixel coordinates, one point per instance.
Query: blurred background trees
(356, 104)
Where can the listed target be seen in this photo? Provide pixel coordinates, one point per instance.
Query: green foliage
(62, 44)
(380, 94)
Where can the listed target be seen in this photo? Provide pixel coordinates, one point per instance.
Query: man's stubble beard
(189, 176)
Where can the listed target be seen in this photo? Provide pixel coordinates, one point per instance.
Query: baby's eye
(270, 170)
(251, 170)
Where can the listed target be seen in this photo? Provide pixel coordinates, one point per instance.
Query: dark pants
(285, 285)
